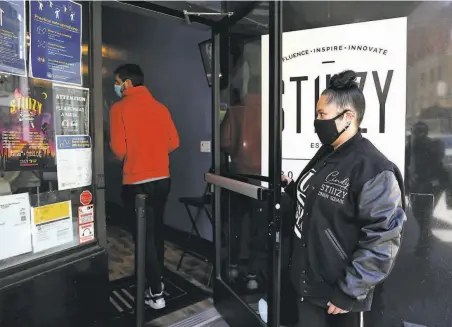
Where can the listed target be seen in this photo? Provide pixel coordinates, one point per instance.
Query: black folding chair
(200, 203)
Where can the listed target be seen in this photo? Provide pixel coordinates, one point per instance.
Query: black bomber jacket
(352, 222)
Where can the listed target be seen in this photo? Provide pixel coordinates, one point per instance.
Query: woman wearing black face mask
(349, 214)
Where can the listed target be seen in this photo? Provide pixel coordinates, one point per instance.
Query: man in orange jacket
(142, 134)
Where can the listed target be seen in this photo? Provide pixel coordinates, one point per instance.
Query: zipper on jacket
(336, 244)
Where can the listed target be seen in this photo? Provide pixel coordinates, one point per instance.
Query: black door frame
(229, 304)
(235, 311)
(275, 158)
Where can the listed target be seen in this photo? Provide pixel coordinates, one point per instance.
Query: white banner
(375, 50)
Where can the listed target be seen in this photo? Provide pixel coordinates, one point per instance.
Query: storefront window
(46, 202)
(402, 52)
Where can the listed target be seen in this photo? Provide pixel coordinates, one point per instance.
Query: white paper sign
(15, 228)
(52, 225)
(375, 50)
(74, 161)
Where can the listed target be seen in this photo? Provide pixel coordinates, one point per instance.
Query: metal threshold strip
(209, 317)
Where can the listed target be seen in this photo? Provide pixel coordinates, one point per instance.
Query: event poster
(56, 41)
(74, 161)
(27, 133)
(311, 57)
(52, 226)
(15, 225)
(71, 110)
(13, 44)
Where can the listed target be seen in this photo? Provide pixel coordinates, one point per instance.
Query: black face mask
(326, 129)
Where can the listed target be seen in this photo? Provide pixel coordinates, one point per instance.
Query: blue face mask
(118, 90)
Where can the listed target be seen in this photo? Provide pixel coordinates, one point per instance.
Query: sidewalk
(419, 290)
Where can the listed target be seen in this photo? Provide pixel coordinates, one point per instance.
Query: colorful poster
(52, 226)
(74, 161)
(56, 41)
(71, 110)
(13, 44)
(311, 57)
(26, 131)
(15, 225)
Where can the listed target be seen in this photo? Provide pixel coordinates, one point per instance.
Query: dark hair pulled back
(344, 92)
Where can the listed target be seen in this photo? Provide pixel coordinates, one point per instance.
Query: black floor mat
(178, 292)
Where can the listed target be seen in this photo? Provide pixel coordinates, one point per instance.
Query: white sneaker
(233, 271)
(252, 283)
(155, 301)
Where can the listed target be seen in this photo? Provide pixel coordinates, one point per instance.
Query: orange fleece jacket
(142, 134)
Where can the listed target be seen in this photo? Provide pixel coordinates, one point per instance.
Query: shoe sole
(156, 305)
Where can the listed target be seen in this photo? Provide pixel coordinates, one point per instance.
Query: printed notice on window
(15, 228)
(74, 161)
(52, 226)
(71, 105)
(13, 44)
(56, 41)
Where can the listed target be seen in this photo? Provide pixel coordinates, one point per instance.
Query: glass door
(246, 93)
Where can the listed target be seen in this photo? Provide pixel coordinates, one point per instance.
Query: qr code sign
(85, 214)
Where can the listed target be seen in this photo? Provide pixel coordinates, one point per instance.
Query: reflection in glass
(418, 289)
(244, 220)
(241, 130)
(244, 257)
(28, 125)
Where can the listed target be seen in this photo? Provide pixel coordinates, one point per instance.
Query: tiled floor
(121, 264)
(121, 259)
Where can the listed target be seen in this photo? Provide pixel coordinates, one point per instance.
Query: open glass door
(245, 181)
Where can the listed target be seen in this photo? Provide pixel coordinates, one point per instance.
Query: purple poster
(56, 41)
(26, 132)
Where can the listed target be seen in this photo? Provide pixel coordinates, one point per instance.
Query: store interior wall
(167, 51)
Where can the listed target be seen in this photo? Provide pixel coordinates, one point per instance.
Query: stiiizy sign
(375, 50)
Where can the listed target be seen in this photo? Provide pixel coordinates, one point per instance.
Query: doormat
(178, 292)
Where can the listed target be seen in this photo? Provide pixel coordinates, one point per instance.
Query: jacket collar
(327, 154)
(136, 90)
(346, 147)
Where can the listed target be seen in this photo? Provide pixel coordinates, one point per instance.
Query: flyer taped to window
(52, 226)
(74, 161)
(15, 229)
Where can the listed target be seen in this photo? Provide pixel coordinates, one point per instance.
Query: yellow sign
(28, 107)
(51, 212)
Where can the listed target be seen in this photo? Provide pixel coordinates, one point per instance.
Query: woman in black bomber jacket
(349, 214)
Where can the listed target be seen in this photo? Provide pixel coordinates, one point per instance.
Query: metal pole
(275, 87)
(216, 207)
(140, 208)
(97, 116)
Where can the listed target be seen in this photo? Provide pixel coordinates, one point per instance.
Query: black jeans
(311, 315)
(255, 237)
(157, 195)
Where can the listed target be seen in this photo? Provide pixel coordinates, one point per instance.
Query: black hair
(132, 72)
(420, 128)
(344, 92)
(254, 85)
